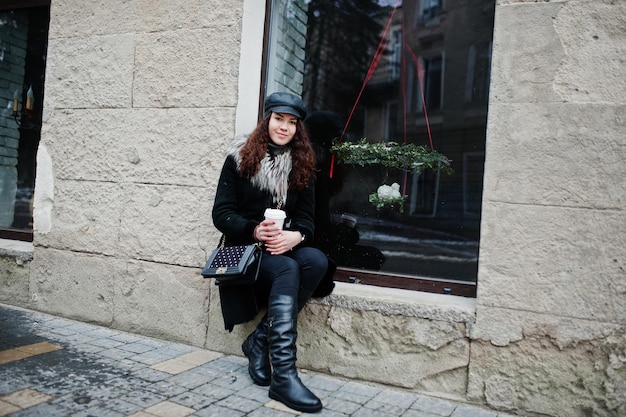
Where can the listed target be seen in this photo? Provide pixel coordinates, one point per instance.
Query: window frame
(377, 278)
(8, 5)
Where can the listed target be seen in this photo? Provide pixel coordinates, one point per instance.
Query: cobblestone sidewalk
(52, 367)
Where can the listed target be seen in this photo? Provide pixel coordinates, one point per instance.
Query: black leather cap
(282, 102)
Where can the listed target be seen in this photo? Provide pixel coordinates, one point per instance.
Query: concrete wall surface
(141, 103)
(550, 328)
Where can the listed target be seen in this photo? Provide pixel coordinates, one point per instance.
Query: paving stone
(200, 357)
(129, 338)
(106, 343)
(57, 322)
(44, 410)
(342, 406)
(12, 355)
(387, 409)
(213, 391)
(270, 412)
(192, 379)
(417, 413)
(361, 389)
(143, 398)
(434, 406)
(62, 331)
(115, 353)
(7, 408)
(367, 412)
(350, 396)
(121, 406)
(88, 348)
(10, 382)
(134, 347)
(324, 382)
(99, 411)
(167, 388)
(225, 365)
(238, 403)
(77, 339)
(469, 411)
(25, 398)
(155, 356)
(150, 375)
(397, 398)
(102, 332)
(169, 409)
(217, 411)
(80, 327)
(193, 400)
(173, 366)
(234, 381)
(255, 393)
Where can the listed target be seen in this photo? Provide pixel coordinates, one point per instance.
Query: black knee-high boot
(286, 386)
(256, 349)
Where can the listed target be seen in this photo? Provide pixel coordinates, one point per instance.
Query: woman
(273, 168)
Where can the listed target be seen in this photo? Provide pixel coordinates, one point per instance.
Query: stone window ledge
(392, 301)
(22, 251)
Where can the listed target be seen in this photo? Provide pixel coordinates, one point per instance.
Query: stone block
(592, 69)
(186, 69)
(85, 217)
(147, 146)
(163, 301)
(167, 224)
(14, 274)
(553, 260)
(75, 285)
(69, 19)
(90, 72)
(536, 154)
(538, 376)
(524, 67)
(190, 14)
(391, 349)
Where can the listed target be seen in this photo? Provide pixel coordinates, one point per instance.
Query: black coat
(239, 207)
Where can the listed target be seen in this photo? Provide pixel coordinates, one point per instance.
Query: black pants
(295, 273)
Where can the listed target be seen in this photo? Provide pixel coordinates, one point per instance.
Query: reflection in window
(404, 100)
(23, 42)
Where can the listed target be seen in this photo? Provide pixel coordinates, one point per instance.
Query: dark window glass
(23, 44)
(429, 88)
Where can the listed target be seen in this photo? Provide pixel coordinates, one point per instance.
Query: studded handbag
(233, 265)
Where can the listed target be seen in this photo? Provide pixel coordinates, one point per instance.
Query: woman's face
(282, 128)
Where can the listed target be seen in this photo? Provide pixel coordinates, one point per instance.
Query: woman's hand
(277, 241)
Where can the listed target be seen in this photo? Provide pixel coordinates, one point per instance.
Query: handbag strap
(222, 241)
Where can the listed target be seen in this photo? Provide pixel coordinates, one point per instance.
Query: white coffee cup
(278, 216)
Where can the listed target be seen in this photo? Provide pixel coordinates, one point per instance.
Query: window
(432, 83)
(430, 8)
(23, 44)
(431, 244)
(478, 74)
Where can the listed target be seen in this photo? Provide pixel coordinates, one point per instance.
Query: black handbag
(233, 265)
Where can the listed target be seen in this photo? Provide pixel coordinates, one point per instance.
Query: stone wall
(550, 323)
(140, 106)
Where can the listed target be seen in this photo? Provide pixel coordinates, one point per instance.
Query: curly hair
(302, 154)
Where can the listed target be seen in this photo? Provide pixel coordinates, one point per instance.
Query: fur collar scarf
(273, 177)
